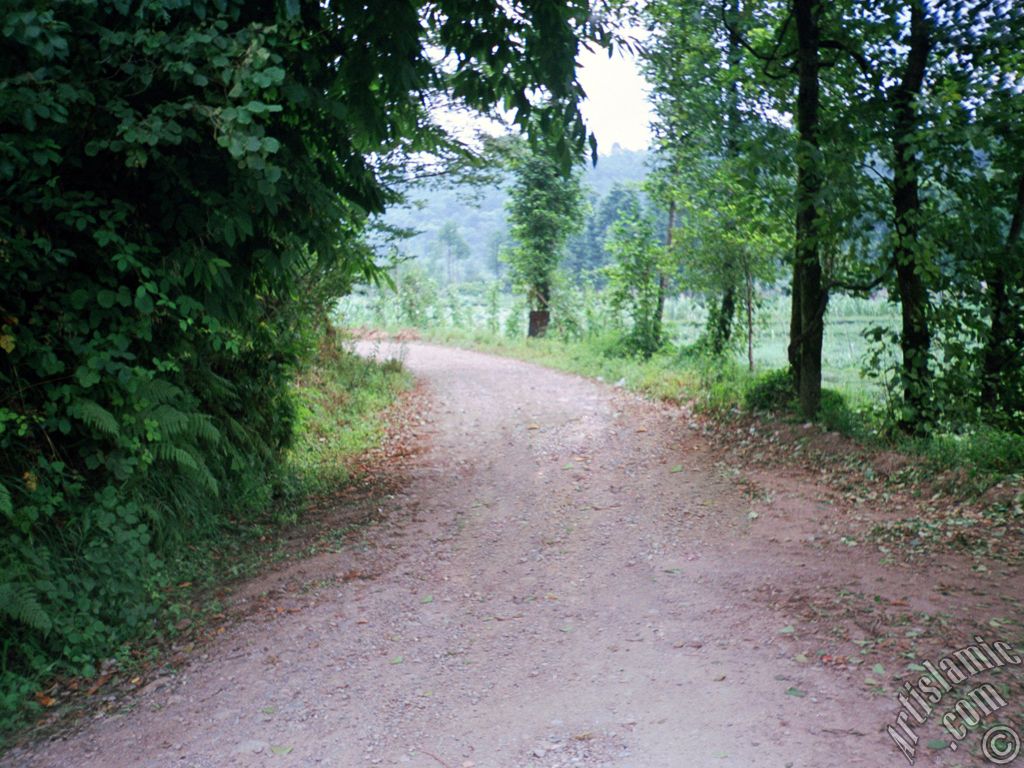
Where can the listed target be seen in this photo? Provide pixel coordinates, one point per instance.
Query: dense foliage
(882, 132)
(544, 208)
(185, 188)
(637, 278)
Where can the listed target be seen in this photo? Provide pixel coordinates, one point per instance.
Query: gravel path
(566, 579)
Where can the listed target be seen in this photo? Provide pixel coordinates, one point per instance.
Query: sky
(616, 109)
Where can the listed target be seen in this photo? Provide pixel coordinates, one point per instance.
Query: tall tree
(810, 298)
(544, 208)
(637, 277)
(915, 341)
(452, 247)
(913, 58)
(975, 126)
(722, 151)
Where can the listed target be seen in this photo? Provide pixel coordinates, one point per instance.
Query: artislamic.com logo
(1000, 743)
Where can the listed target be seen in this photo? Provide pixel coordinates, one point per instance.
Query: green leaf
(143, 302)
(6, 507)
(86, 377)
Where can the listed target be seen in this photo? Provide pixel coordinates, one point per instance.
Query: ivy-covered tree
(636, 277)
(544, 208)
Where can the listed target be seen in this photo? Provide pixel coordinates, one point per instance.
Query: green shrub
(984, 448)
(836, 415)
(771, 391)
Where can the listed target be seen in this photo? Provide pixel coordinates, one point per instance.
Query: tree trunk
(750, 320)
(722, 331)
(662, 277)
(915, 339)
(541, 317)
(795, 325)
(1003, 330)
(809, 296)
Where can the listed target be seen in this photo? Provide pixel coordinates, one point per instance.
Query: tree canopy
(879, 129)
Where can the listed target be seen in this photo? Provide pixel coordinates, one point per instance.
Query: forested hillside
(476, 217)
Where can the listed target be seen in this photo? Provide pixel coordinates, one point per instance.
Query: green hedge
(169, 236)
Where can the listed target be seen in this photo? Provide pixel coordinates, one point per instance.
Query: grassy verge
(339, 399)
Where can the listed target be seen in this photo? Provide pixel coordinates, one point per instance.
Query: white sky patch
(617, 109)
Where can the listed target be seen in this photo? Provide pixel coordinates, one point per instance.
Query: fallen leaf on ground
(100, 682)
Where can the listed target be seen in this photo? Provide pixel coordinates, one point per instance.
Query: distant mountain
(479, 215)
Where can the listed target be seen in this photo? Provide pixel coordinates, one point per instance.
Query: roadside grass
(466, 312)
(339, 401)
(340, 398)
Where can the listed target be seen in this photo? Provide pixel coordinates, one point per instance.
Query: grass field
(474, 309)
(477, 317)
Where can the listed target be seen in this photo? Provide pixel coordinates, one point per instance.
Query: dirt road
(567, 578)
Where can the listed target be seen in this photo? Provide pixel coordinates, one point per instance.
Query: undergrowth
(337, 398)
